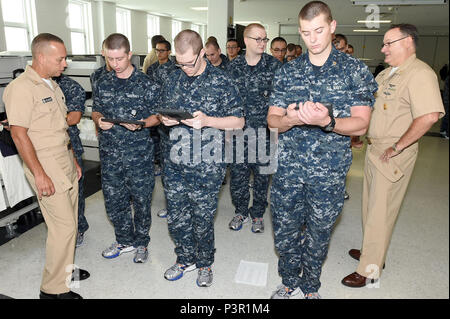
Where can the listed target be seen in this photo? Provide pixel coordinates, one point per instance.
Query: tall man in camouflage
(192, 183)
(126, 150)
(313, 152)
(253, 73)
(75, 99)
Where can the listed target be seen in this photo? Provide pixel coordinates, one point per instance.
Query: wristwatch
(330, 127)
(394, 147)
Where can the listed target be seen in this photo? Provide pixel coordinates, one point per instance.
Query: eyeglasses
(180, 65)
(259, 40)
(279, 50)
(232, 47)
(388, 44)
(161, 50)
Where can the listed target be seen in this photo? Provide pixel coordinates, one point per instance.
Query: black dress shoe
(356, 254)
(80, 274)
(66, 295)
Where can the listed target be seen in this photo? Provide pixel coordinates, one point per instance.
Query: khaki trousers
(60, 214)
(384, 188)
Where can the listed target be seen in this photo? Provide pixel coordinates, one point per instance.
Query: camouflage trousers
(128, 180)
(315, 204)
(82, 222)
(240, 190)
(192, 197)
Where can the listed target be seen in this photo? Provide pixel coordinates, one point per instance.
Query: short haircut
(408, 30)
(188, 39)
(299, 46)
(166, 43)
(41, 41)
(313, 9)
(277, 39)
(212, 41)
(155, 39)
(233, 40)
(252, 26)
(340, 37)
(116, 41)
(291, 47)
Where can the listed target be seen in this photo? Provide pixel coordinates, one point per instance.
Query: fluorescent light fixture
(374, 21)
(397, 2)
(200, 8)
(247, 22)
(161, 14)
(365, 30)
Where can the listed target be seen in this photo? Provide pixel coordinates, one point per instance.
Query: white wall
(139, 32)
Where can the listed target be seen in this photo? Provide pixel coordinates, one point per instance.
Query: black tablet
(118, 121)
(176, 114)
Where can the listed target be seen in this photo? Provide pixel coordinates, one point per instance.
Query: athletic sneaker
(346, 195)
(237, 222)
(205, 277)
(80, 239)
(258, 225)
(284, 292)
(162, 213)
(313, 295)
(116, 250)
(177, 271)
(141, 255)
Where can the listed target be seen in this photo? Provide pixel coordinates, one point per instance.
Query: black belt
(69, 146)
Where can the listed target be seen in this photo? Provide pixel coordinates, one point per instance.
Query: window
(152, 29)
(196, 28)
(123, 23)
(80, 27)
(20, 24)
(176, 28)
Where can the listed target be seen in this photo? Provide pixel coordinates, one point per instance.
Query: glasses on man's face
(180, 65)
(388, 44)
(279, 50)
(259, 40)
(161, 50)
(230, 47)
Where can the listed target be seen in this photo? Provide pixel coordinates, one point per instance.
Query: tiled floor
(417, 264)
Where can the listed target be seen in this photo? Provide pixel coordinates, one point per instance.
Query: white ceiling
(430, 19)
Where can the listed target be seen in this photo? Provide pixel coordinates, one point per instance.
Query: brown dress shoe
(355, 280)
(356, 254)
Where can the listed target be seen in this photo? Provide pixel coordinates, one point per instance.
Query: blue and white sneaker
(116, 249)
(177, 271)
(284, 292)
(237, 222)
(205, 277)
(162, 213)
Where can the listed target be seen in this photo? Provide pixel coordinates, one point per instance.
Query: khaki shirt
(410, 92)
(149, 60)
(32, 104)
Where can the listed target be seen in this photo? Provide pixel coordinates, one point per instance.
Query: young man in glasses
(278, 48)
(253, 73)
(160, 70)
(192, 181)
(408, 103)
(233, 49)
(313, 150)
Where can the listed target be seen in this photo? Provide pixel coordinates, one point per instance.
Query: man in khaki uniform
(407, 104)
(37, 113)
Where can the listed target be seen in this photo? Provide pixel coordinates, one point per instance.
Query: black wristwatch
(330, 127)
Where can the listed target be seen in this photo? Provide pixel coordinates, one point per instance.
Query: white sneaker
(284, 292)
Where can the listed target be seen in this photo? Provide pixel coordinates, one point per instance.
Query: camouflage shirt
(343, 81)
(134, 98)
(160, 72)
(75, 99)
(255, 86)
(212, 93)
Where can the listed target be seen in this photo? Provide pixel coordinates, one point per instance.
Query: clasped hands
(309, 113)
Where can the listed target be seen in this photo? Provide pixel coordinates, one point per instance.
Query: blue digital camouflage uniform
(75, 100)
(308, 187)
(225, 62)
(127, 156)
(192, 187)
(255, 86)
(159, 73)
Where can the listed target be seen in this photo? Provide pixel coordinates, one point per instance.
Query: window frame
(127, 15)
(86, 29)
(156, 23)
